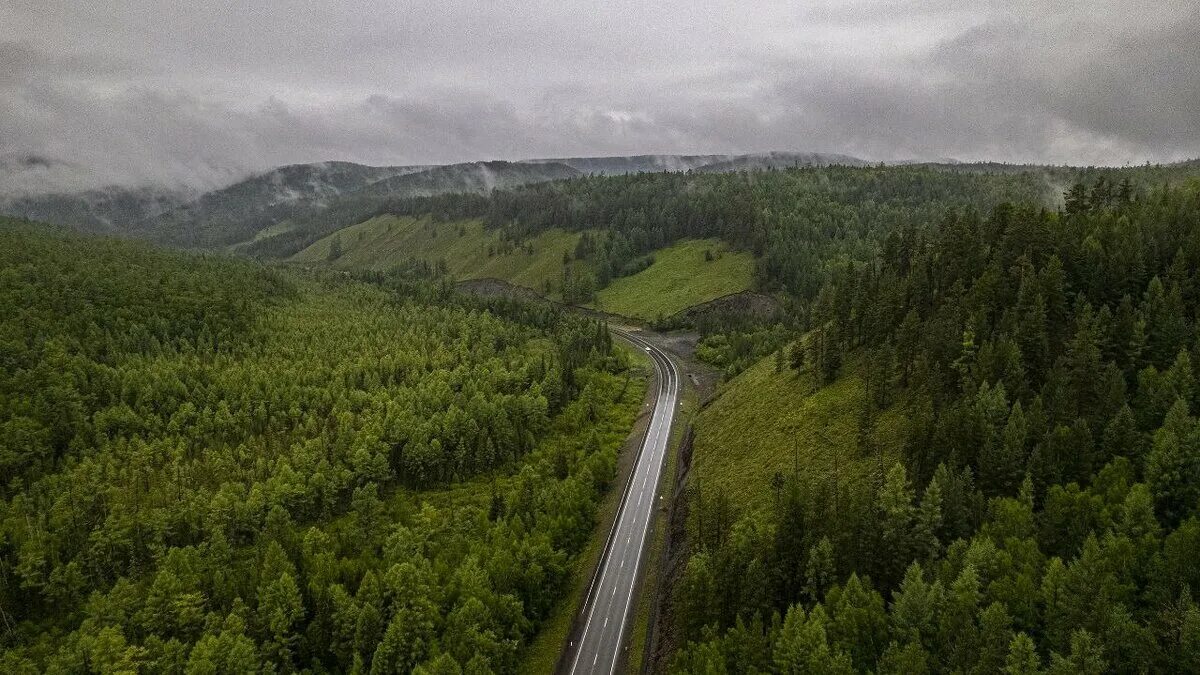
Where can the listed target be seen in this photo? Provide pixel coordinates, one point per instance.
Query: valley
(397, 439)
(531, 338)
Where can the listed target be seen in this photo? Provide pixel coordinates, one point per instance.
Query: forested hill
(271, 214)
(212, 466)
(257, 218)
(794, 221)
(1035, 372)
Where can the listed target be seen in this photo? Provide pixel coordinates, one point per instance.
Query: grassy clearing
(679, 278)
(265, 233)
(544, 649)
(469, 250)
(765, 422)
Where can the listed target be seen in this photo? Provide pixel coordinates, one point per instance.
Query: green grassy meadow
(469, 250)
(679, 278)
(763, 422)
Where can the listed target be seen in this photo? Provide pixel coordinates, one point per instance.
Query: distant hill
(309, 222)
(118, 211)
(616, 166)
(468, 250)
(621, 165)
(470, 177)
(275, 213)
(238, 212)
(780, 160)
(278, 212)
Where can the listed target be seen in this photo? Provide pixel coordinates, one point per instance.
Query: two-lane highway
(610, 596)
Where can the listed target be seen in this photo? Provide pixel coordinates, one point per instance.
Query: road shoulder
(548, 650)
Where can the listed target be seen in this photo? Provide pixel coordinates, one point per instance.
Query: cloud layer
(200, 93)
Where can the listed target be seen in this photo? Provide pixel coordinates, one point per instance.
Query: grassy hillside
(765, 422)
(679, 278)
(470, 251)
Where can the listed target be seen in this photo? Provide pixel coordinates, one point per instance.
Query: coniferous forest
(428, 337)
(1044, 511)
(1045, 514)
(216, 467)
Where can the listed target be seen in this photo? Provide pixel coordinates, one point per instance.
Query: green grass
(765, 422)
(266, 232)
(385, 241)
(679, 278)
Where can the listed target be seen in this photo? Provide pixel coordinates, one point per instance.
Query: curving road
(606, 606)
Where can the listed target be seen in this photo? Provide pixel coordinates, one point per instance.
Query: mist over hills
(278, 212)
(297, 203)
(615, 166)
(780, 160)
(297, 197)
(108, 211)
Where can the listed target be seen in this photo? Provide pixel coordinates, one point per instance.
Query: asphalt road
(610, 596)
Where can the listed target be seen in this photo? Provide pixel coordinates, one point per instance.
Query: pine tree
(1086, 657)
(915, 607)
(1022, 657)
(802, 645)
(1173, 465)
(819, 571)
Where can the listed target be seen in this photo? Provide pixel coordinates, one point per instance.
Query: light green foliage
(802, 646)
(234, 468)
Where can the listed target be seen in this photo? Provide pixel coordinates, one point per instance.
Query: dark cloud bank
(199, 94)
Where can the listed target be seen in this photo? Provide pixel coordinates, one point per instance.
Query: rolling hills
(314, 208)
(680, 276)
(276, 213)
(271, 214)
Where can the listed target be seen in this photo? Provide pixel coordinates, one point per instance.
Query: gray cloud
(133, 91)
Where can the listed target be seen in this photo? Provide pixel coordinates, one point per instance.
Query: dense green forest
(803, 225)
(794, 221)
(217, 467)
(1046, 514)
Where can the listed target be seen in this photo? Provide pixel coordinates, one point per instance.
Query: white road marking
(650, 466)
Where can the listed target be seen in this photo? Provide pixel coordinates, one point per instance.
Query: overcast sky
(204, 91)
